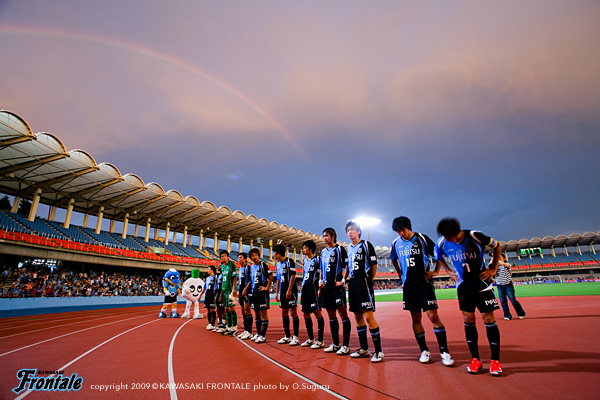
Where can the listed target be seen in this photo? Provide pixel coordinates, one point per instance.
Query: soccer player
(220, 328)
(287, 292)
(309, 299)
(410, 255)
(228, 287)
(332, 291)
(260, 282)
(209, 297)
(243, 279)
(361, 269)
(465, 251)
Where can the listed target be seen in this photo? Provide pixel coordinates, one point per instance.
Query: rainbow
(8, 29)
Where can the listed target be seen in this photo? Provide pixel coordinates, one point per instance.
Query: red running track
(551, 354)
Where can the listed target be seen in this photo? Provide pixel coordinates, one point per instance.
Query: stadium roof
(548, 242)
(29, 162)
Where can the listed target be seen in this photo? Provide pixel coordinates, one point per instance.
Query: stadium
(108, 291)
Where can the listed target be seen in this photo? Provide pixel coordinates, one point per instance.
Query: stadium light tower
(367, 222)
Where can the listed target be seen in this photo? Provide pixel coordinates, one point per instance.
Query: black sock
(248, 323)
(440, 333)
(258, 323)
(320, 328)
(265, 325)
(362, 337)
(296, 324)
(309, 328)
(286, 326)
(334, 327)
(472, 337)
(421, 341)
(493, 334)
(376, 337)
(213, 318)
(347, 329)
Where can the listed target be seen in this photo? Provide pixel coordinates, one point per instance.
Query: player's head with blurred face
(309, 247)
(279, 252)
(353, 231)
(449, 228)
(403, 227)
(329, 236)
(254, 255)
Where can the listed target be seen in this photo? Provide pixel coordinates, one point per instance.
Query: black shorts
(333, 297)
(219, 299)
(361, 295)
(209, 300)
(476, 295)
(170, 299)
(310, 302)
(420, 297)
(283, 300)
(260, 301)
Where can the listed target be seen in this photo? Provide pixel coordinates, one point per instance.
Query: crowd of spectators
(30, 281)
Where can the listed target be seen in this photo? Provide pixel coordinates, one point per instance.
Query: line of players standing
(323, 286)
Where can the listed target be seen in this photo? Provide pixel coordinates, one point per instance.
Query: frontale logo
(30, 381)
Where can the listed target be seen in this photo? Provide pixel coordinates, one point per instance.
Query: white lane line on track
(172, 389)
(315, 384)
(16, 325)
(86, 353)
(67, 334)
(72, 323)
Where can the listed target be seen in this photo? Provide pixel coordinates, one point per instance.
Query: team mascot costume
(192, 288)
(172, 287)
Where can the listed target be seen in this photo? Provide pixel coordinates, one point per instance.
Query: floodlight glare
(366, 222)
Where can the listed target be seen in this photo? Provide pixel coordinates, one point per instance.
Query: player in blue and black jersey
(209, 297)
(332, 291)
(220, 328)
(259, 285)
(361, 269)
(309, 299)
(410, 255)
(243, 279)
(287, 294)
(465, 250)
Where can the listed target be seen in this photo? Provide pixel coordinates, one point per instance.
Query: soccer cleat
(209, 327)
(284, 340)
(377, 357)
(495, 368)
(360, 353)
(308, 342)
(261, 339)
(162, 315)
(174, 314)
(253, 338)
(332, 348)
(343, 351)
(447, 359)
(317, 345)
(508, 318)
(425, 357)
(521, 316)
(294, 341)
(475, 366)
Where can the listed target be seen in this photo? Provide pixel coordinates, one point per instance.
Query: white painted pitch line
(67, 334)
(14, 325)
(334, 394)
(172, 385)
(72, 323)
(85, 354)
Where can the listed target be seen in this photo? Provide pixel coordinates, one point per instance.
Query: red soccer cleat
(475, 366)
(495, 368)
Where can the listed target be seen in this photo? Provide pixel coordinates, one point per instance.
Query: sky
(312, 113)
